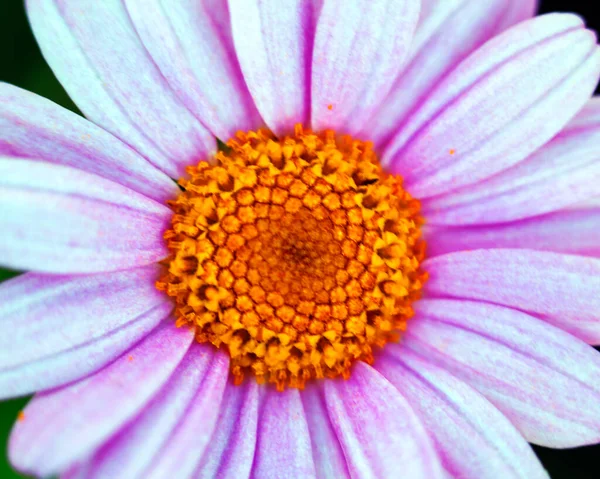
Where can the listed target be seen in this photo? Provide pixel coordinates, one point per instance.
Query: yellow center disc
(296, 255)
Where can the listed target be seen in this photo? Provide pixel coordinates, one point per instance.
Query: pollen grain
(298, 256)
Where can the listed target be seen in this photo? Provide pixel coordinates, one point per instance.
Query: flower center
(298, 256)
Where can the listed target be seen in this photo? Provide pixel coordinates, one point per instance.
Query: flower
(488, 120)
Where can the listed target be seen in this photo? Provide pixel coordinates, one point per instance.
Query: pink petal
(518, 11)
(593, 202)
(65, 426)
(563, 172)
(283, 437)
(378, 430)
(55, 329)
(543, 379)
(98, 57)
(560, 289)
(63, 220)
(230, 452)
(434, 13)
(448, 31)
(587, 330)
(138, 444)
(549, 284)
(33, 127)
(473, 438)
(428, 8)
(75, 472)
(66, 366)
(572, 231)
(177, 457)
(191, 43)
(273, 41)
(360, 48)
(498, 106)
(327, 452)
(588, 117)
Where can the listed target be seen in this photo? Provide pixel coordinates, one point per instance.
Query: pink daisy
(485, 113)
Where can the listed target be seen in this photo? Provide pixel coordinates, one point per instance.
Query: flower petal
(593, 202)
(435, 52)
(560, 289)
(133, 449)
(283, 437)
(327, 452)
(65, 426)
(76, 472)
(99, 58)
(273, 40)
(63, 220)
(81, 360)
(570, 231)
(562, 173)
(191, 43)
(34, 127)
(230, 452)
(588, 117)
(518, 11)
(377, 429)
(55, 329)
(541, 73)
(585, 330)
(473, 438)
(359, 50)
(550, 284)
(543, 379)
(176, 458)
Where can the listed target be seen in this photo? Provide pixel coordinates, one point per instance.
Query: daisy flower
(388, 266)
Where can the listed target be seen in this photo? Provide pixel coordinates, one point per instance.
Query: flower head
(278, 313)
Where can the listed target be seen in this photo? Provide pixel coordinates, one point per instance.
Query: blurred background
(22, 64)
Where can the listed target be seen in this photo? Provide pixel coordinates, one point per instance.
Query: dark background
(22, 64)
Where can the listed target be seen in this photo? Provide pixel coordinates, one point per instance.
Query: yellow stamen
(298, 256)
